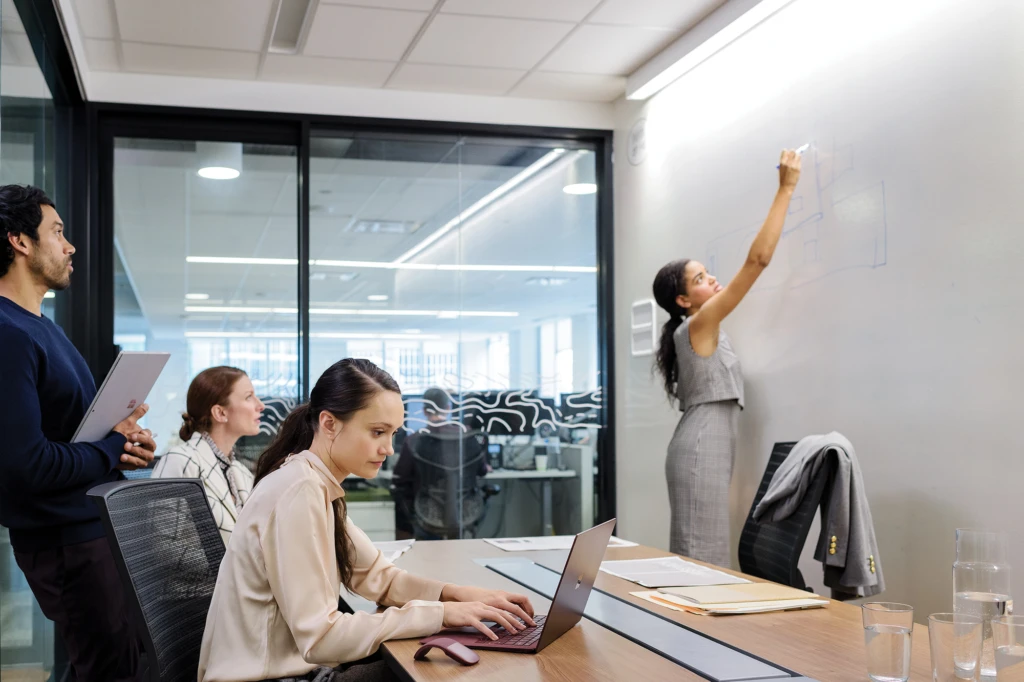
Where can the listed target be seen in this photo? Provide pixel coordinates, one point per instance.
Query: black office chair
(168, 550)
(771, 549)
(449, 501)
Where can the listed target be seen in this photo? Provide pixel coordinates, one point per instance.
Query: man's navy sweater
(45, 390)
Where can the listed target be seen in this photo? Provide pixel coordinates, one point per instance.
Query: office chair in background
(771, 549)
(168, 550)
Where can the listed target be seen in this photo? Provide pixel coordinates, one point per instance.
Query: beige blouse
(275, 607)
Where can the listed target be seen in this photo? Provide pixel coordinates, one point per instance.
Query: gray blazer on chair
(847, 547)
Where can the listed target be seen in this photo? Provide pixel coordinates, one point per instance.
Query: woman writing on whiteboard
(701, 371)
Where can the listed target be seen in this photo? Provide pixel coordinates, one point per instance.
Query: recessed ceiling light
(580, 188)
(197, 297)
(218, 173)
(377, 297)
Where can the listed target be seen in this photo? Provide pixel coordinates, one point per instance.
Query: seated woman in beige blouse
(274, 614)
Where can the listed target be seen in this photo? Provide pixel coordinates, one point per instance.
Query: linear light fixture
(314, 335)
(503, 189)
(715, 32)
(383, 265)
(380, 312)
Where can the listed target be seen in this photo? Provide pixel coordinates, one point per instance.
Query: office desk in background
(824, 644)
(545, 478)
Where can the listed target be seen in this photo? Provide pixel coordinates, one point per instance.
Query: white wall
(894, 316)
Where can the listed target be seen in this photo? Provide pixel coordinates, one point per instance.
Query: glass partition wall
(466, 265)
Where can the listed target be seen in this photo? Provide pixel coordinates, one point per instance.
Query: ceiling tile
(102, 55)
(678, 15)
(485, 41)
(96, 18)
(609, 50)
(189, 61)
(11, 20)
(556, 10)
(460, 79)
(571, 86)
(17, 51)
(223, 24)
(420, 5)
(359, 73)
(361, 32)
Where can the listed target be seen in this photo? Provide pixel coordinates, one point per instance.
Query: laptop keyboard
(527, 637)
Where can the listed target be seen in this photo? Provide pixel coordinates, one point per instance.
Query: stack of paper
(733, 599)
(546, 542)
(668, 572)
(394, 548)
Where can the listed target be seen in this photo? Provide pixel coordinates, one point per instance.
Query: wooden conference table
(824, 644)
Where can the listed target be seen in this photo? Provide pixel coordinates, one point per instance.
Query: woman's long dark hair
(669, 283)
(345, 388)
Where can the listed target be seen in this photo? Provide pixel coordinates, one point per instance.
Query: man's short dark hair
(21, 212)
(436, 401)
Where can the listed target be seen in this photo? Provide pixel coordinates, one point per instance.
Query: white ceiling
(536, 49)
(19, 72)
(165, 213)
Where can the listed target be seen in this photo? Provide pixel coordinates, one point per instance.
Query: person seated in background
(274, 613)
(437, 407)
(221, 407)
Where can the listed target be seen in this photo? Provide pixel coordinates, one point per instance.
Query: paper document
(735, 594)
(546, 542)
(668, 572)
(394, 548)
(677, 604)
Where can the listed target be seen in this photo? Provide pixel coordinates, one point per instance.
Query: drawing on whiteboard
(824, 233)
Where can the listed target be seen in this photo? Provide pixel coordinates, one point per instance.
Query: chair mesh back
(771, 549)
(172, 550)
(448, 498)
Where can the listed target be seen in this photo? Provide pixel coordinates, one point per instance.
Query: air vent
(290, 26)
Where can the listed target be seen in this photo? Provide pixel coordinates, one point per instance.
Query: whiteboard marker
(800, 151)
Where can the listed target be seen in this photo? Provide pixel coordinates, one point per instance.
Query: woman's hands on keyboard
(516, 604)
(474, 613)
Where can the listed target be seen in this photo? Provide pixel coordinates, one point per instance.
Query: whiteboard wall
(893, 310)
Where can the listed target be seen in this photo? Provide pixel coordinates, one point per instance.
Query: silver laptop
(567, 607)
(124, 388)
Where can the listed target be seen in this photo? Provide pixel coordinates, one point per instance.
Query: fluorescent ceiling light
(293, 335)
(715, 32)
(228, 260)
(382, 265)
(516, 180)
(50, 294)
(380, 312)
(197, 297)
(377, 297)
(580, 188)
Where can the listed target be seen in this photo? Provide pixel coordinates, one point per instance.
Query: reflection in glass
(26, 158)
(463, 265)
(206, 269)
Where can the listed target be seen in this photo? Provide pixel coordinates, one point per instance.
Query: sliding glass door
(466, 265)
(205, 267)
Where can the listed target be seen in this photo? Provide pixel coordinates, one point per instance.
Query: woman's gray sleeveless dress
(703, 449)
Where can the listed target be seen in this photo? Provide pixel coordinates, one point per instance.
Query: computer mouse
(455, 650)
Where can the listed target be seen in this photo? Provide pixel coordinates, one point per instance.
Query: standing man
(56, 533)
